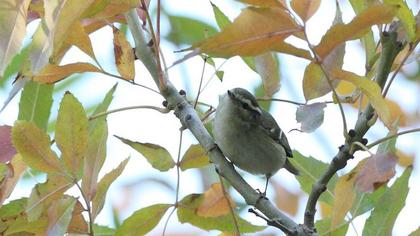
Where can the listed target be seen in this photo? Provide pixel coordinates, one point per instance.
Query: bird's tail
(291, 168)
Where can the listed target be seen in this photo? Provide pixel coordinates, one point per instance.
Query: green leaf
(12, 29)
(142, 221)
(323, 228)
(194, 157)
(21, 226)
(187, 213)
(156, 155)
(221, 19)
(95, 157)
(415, 232)
(34, 146)
(103, 185)
(101, 230)
(406, 16)
(13, 208)
(15, 65)
(382, 219)
(103, 106)
(59, 215)
(364, 202)
(35, 103)
(71, 134)
(44, 194)
(197, 30)
(311, 170)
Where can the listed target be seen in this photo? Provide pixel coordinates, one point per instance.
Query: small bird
(249, 136)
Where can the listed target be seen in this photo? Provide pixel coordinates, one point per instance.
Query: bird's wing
(269, 124)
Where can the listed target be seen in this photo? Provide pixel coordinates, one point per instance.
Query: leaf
(71, 134)
(311, 170)
(124, 55)
(12, 29)
(15, 65)
(95, 158)
(378, 170)
(305, 8)
(156, 155)
(285, 199)
(415, 232)
(266, 3)
(22, 226)
(103, 230)
(7, 151)
(406, 16)
(286, 48)
(382, 219)
(194, 157)
(17, 168)
(187, 213)
(107, 8)
(78, 224)
(34, 146)
(221, 19)
(80, 38)
(344, 196)
(310, 116)
(43, 194)
(214, 202)
(142, 221)
(315, 82)
(340, 33)
(96, 150)
(53, 73)
(59, 216)
(35, 103)
(103, 185)
(371, 90)
(197, 30)
(245, 37)
(364, 202)
(323, 228)
(267, 67)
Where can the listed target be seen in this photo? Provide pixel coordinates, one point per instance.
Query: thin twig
(105, 113)
(361, 146)
(282, 100)
(201, 82)
(131, 82)
(232, 212)
(178, 161)
(214, 74)
(391, 137)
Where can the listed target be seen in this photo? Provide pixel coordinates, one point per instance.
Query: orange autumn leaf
(254, 31)
(215, 203)
(286, 200)
(305, 8)
(124, 55)
(53, 73)
(340, 33)
(266, 3)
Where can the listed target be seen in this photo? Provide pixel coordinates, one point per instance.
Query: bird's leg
(263, 195)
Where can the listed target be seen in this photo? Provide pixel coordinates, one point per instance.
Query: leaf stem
(232, 212)
(131, 82)
(201, 82)
(88, 208)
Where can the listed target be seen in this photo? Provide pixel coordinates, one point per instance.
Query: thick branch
(390, 49)
(189, 119)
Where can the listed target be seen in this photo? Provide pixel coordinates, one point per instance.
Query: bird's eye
(245, 106)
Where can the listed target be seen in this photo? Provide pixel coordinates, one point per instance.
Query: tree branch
(390, 49)
(190, 119)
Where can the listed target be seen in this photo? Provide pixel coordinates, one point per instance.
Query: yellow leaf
(12, 29)
(215, 203)
(254, 31)
(286, 48)
(53, 73)
(315, 83)
(326, 209)
(8, 185)
(80, 39)
(305, 8)
(124, 55)
(405, 159)
(371, 90)
(340, 33)
(344, 195)
(34, 146)
(268, 69)
(266, 3)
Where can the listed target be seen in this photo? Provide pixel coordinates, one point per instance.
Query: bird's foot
(263, 195)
